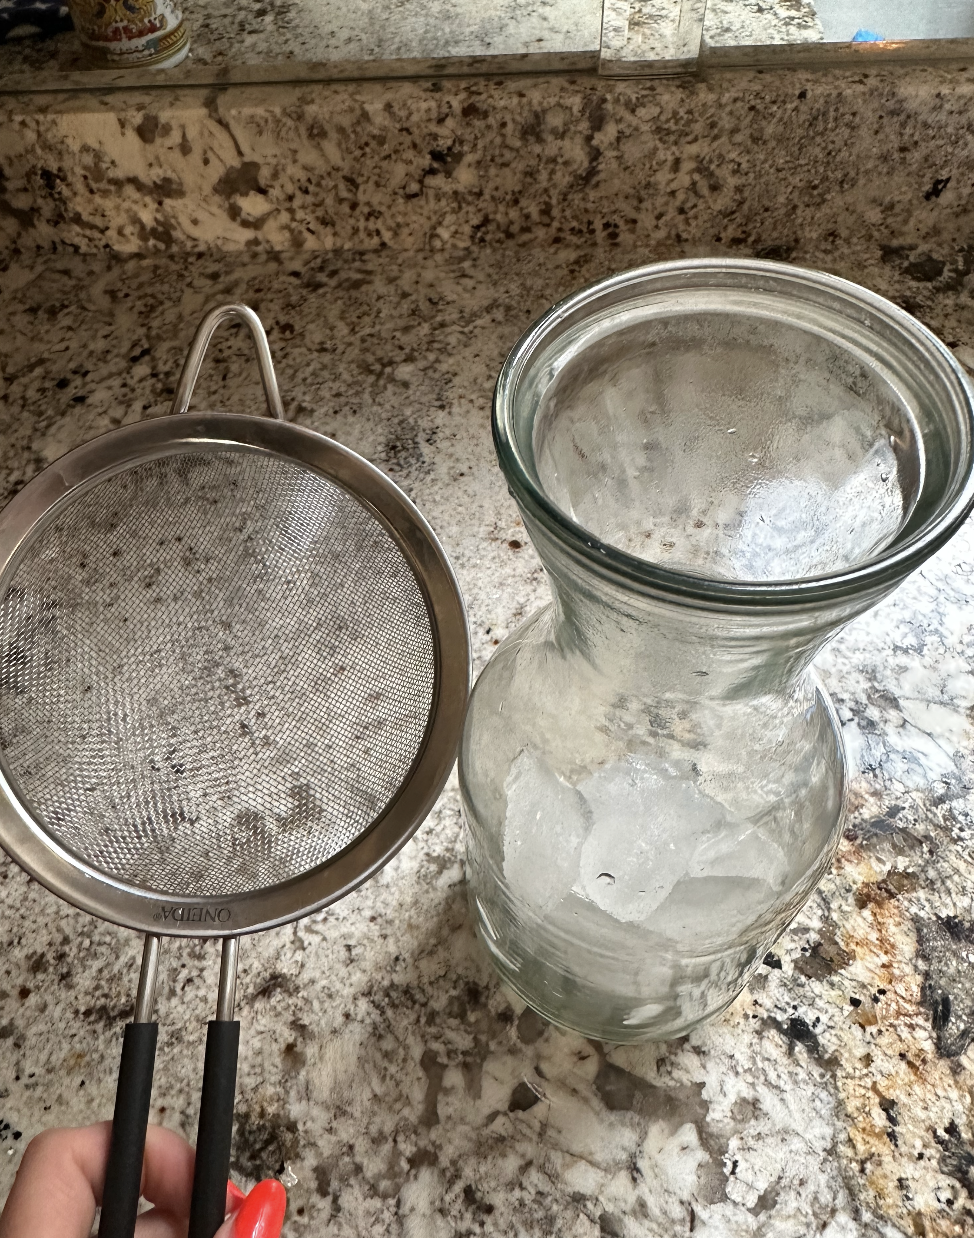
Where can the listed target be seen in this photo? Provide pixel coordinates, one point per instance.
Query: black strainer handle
(123, 1177)
(197, 351)
(215, 1131)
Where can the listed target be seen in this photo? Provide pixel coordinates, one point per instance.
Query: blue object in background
(867, 36)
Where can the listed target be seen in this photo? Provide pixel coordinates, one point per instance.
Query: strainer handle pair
(123, 1178)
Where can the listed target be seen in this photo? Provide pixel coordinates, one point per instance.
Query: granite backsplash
(764, 160)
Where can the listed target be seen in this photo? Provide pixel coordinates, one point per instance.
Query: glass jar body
(650, 792)
(720, 462)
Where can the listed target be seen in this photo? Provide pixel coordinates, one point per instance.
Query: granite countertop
(227, 33)
(384, 1073)
(230, 37)
(738, 23)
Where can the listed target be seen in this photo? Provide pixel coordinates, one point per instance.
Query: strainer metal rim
(94, 891)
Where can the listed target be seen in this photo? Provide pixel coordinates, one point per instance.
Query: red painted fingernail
(261, 1214)
(235, 1197)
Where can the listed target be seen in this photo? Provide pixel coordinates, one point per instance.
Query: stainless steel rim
(94, 891)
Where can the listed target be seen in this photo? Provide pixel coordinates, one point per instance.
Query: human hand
(60, 1179)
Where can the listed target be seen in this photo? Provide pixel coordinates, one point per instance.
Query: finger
(167, 1182)
(226, 1229)
(156, 1224)
(54, 1194)
(260, 1215)
(167, 1174)
(159, 1224)
(62, 1173)
(235, 1198)
(167, 1171)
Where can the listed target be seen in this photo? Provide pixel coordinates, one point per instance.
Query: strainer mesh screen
(216, 670)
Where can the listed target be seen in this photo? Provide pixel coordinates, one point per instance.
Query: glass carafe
(720, 464)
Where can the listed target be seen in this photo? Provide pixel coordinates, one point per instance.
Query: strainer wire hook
(197, 351)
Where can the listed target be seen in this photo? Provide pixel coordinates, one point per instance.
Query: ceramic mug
(117, 33)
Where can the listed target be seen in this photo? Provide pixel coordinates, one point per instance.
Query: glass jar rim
(878, 573)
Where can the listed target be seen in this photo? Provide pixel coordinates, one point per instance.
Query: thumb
(259, 1214)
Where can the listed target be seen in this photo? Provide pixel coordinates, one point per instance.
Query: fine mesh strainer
(233, 668)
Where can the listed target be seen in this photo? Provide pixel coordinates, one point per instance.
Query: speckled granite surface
(226, 34)
(229, 37)
(640, 36)
(383, 1071)
(760, 158)
(737, 23)
(650, 36)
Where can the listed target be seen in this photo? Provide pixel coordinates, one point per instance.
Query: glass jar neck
(666, 648)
